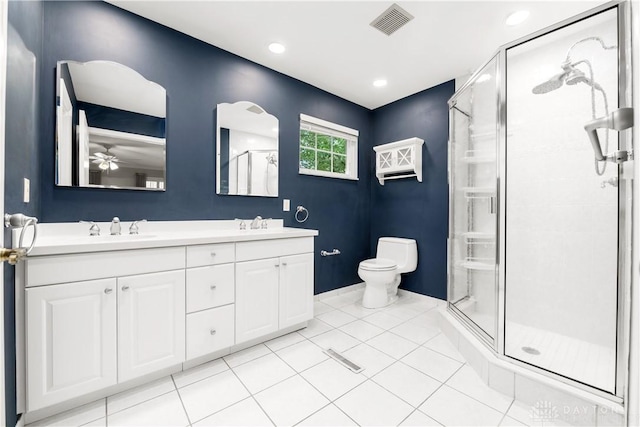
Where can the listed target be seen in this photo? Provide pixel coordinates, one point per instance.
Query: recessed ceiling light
(380, 83)
(276, 48)
(517, 18)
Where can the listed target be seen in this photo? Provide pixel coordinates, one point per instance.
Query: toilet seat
(378, 264)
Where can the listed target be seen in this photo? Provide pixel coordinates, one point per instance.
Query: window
(327, 149)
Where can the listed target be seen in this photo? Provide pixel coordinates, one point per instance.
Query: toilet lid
(378, 264)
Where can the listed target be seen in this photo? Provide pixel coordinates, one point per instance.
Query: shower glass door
(562, 208)
(473, 221)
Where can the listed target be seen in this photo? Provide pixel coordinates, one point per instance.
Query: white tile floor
(412, 377)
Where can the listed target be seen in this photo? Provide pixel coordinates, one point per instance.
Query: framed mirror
(110, 127)
(246, 150)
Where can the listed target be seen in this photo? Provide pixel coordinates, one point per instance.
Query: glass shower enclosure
(539, 239)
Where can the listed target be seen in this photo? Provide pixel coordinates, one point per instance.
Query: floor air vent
(391, 20)
(343, 360)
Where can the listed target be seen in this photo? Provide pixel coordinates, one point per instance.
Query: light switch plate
(27, 190)
(286, 205)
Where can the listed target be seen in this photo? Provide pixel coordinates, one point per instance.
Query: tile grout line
(142, 401)
(184, 408)
(252, 396)
(473, 398)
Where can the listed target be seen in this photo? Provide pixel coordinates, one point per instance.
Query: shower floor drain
(531, 350)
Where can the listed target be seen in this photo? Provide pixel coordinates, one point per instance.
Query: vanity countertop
(58, 239)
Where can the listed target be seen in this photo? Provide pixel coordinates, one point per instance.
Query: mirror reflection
(110, 124)
(247, 150)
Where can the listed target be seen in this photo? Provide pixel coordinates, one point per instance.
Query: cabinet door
(151, 323)
(296, 289)
(256, 298)
(71, 340)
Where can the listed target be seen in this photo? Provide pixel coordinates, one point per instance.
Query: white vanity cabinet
(210, 297)
(98, 322)
(92, 322)
(275, 292)
(151, 323)
(71, 337)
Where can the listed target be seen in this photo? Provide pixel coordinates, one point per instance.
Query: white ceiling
(331, 45)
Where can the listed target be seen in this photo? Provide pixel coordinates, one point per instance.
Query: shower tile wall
(561, 242)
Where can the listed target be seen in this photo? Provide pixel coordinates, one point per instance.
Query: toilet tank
(403, 251)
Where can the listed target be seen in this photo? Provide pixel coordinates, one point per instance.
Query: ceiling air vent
(391, 20)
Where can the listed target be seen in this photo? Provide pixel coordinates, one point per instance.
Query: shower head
(576, 76)
(553, 83)
(570, 76)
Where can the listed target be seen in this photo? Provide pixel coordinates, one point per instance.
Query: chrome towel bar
(333, 252)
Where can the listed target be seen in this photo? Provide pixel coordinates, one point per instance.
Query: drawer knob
(108, 291)
(212, 332)
(213, 287)
(125, 288)
(213, 254)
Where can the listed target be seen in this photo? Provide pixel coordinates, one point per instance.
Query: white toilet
(382, 273)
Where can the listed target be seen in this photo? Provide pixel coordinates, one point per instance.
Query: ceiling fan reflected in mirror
(106, 161)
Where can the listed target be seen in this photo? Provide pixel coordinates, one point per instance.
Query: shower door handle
(492, 205)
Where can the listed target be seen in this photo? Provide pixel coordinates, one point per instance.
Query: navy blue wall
(24, 52)
(197, 77)
(412, 209)
(350, 215)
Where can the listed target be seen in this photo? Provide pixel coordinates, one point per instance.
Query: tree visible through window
(327, 151)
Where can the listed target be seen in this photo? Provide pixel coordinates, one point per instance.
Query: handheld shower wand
(619, 119)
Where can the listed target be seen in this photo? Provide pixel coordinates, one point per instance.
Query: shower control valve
(619, 156)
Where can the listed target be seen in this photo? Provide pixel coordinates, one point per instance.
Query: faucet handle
(243, 225)
(133, 229)
(94, 230)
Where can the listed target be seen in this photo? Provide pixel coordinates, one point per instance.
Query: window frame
(334, 130)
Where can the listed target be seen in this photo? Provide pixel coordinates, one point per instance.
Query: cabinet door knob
(125, 288)
(213, 287)
(284, 264)
(212, 332)
(213, 254)
(108, 291)
(277, 265)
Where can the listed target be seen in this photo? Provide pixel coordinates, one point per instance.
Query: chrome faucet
(133, 229)
(115, 226)
(94, 230)
(255, 224)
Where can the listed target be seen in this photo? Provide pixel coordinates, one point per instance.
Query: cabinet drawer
(201, 255)
(210, 330)
(209, 287)
(273, 248)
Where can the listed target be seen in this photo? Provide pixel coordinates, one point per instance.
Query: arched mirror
(246, 150)
(110, 127)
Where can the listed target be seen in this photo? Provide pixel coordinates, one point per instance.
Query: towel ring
(301, 209)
